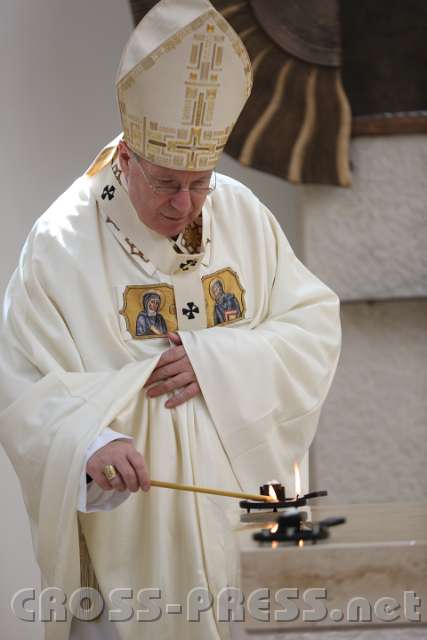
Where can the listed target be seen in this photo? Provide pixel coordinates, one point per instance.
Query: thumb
(174, 338)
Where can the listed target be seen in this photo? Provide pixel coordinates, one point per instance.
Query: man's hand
(174, 373)
(132, 472)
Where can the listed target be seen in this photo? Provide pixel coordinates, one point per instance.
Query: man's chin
(175, 225)
(173, 220)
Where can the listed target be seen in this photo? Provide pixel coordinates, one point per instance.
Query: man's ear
(124, 157)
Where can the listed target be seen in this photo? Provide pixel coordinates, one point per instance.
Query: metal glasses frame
(173, 190)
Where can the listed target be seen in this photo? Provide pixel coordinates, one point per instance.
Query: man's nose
(182, 201)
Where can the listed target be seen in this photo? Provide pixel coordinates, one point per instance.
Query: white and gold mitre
(183, 80)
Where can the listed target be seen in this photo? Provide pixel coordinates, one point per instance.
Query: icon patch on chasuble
(149, 311)
(224, 297)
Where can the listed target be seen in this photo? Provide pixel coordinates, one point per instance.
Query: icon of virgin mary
(150, 321)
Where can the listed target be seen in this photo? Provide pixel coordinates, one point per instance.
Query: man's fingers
(190, 391)
(170, 356)
(176, 382)
(117, 484)
(121, 454)
(94, 468)
(173, 372)
(167, 371)
(101, 480)
(174, 338)
(140, 468)
(128, 475)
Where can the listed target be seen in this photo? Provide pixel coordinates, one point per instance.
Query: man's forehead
(174, 174)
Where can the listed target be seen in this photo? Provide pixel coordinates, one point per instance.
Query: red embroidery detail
(111, 221)
(135, 251)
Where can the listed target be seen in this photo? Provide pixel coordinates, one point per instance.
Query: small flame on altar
(272, 493)
(300, 543)
(297, 477)
(273, 529)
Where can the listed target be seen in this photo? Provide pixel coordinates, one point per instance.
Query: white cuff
(91, 496)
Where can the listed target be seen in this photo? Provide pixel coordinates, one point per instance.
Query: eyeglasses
(169, 187)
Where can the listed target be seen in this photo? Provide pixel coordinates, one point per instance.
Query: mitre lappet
(183, 79)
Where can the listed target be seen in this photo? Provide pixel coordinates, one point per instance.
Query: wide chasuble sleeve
(51, 411)
(82, 331)
(265, 387)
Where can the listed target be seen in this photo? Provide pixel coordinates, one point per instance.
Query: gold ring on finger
(109, 471)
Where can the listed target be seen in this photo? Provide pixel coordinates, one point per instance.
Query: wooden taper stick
(216, 492)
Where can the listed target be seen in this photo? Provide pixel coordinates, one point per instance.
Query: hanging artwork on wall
(324, 70)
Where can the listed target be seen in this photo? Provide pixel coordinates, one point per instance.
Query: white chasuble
(86, 317)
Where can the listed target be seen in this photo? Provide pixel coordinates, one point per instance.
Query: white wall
(57, 66)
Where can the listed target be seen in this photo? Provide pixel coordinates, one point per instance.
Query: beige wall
(57, 64)
(370, 244)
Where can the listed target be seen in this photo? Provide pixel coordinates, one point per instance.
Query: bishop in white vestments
(159, 325)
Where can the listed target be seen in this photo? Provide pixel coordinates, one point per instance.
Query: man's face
(165, 213)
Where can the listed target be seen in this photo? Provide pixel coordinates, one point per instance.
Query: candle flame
(297, 477)
(272, 493)
(300, 543)
(273, 529)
